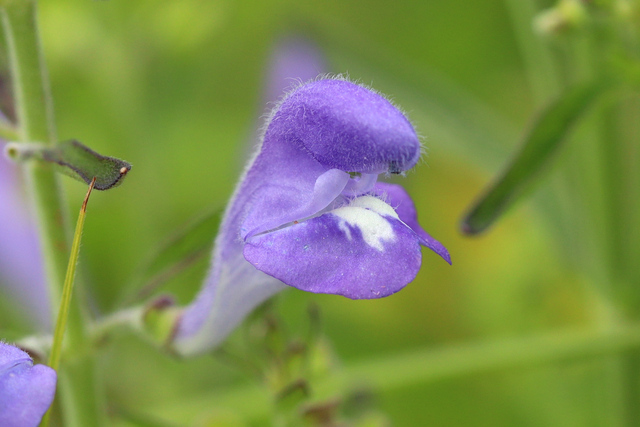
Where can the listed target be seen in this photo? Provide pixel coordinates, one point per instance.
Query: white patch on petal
(374, 204)
(366, 213)
(343, 227)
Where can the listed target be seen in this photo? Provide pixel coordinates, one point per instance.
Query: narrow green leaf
(61, 322)
(75, 160)
(67, 292)
(540, 143)
(180, 251)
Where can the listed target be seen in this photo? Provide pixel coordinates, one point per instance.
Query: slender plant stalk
(78, 393)
(613, 155)
(36, 124)
(623, 370)
(67, 290)
(540, 69)
(425, 366)
(617, 221)
(8, 131)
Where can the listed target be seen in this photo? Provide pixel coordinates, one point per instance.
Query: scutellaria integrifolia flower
(309, 212)
(26, 391)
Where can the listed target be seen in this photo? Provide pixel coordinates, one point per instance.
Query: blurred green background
(175, 88)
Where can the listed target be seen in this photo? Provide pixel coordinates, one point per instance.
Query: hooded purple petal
(317, 134)
(26, 391)
(301, 214)
(345, 126)
(21, 265)
(398, 198)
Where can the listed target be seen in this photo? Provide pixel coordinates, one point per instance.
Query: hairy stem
(36, 124)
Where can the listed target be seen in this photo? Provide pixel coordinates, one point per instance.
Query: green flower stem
(8, 131)
(35, 121)
(129, 319)
(424, 366)
(540, 68)
(589, 50)
(617, 199)
(36, 124)
(472, 359)
(618, 196)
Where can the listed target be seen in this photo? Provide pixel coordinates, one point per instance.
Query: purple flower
(293, 59)
(26, 391)
(21, 265)
(310, 214)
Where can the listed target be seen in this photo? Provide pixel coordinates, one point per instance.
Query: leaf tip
(469, 226)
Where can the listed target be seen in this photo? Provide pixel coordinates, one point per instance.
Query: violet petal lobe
(285, 200)
(398, 198)
(26, 391)
(360, 251)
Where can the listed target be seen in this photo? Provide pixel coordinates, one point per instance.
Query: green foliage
(180, 251)
(175, 87)
(545, 137)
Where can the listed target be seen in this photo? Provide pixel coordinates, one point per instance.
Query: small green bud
(159, 320)
(564, 16)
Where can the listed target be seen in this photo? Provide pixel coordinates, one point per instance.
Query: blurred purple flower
(21, 264)
(294, 59)
(309, 211)
(26, 391)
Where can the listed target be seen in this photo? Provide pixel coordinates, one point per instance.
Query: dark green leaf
(541, 142)
(81, 162)
(184, 248)
(75, 160)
